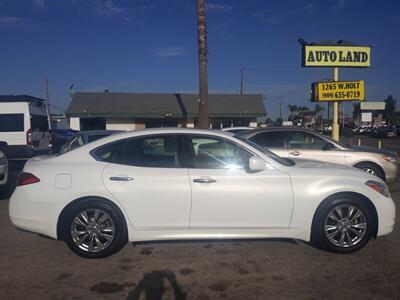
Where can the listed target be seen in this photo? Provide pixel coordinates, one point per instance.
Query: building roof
(20, 98)
(141, 105)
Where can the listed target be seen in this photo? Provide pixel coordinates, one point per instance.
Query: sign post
(335, 121)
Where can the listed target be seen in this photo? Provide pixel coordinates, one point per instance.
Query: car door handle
(295, 153)
(204, 180)
(121, 178)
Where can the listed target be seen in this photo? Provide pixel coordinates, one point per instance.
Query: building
(127, 111)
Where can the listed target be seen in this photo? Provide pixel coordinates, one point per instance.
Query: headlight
(391, 159)
(381, 188)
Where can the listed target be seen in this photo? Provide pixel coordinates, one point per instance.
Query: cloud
(306, 10)
(338, 4)
(215, 7)
(168, 51)
(39, 3)
(9, 20)
(108, 8)
(113, 8)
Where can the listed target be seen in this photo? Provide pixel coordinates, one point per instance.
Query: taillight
(29, 137)
(25, 178)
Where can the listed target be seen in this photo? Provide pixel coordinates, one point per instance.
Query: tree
(278, 122)
(390, 109)
(202, 52)
(357, 111)
(293, 110)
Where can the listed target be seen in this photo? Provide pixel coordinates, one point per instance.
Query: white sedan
(170, 184)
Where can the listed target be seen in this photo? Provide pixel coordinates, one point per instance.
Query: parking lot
(36, 267)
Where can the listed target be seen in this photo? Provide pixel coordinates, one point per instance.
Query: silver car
(307, 144)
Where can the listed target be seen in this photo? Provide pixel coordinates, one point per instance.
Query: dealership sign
(336, 56)
(338, 91)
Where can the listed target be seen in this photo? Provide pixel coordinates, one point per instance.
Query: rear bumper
(35, 216)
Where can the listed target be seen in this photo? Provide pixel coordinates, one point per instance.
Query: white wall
(120, 124)
(75, 123)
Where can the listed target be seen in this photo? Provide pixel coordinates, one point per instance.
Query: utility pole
(202, 53)
(280, 98)
(241, 81)
(46, 83)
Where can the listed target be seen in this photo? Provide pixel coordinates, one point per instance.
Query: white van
(24, 126)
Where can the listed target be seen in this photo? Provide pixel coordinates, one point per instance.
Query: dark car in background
(59, 137)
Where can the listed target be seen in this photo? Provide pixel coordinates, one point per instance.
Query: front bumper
(386, 215)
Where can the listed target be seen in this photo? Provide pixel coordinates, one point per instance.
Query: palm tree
(202, 52)
(293, 109)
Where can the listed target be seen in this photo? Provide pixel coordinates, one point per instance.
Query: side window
(11, 122)
(151, 151)
(107, 152)
(269, 139)
(304, 140)
(214, 153)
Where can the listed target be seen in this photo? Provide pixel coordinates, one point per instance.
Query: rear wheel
(342, 225)
(94, 229)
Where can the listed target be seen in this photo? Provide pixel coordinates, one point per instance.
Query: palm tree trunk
(202, 52)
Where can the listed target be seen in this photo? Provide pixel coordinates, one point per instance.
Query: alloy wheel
(92, 230)
(345, 226)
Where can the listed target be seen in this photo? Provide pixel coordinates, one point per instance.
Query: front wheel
(371, 169)
(94, 229)
(342, 225)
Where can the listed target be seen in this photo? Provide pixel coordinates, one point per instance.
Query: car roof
(252, 132)
(94, 132)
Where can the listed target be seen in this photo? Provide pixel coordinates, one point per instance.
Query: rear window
(39, 123)
(11, 122)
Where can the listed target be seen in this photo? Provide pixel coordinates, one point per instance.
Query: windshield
(283, 161)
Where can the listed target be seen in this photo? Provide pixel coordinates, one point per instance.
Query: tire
(372, 169)
(94, 228)
(346, 240)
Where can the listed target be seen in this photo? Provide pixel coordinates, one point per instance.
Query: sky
(151, 46)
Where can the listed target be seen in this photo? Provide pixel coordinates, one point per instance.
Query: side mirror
(328, 146)
(256, 164)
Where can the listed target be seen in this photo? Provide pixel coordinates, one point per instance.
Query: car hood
(372, 150)
(319, 168)
(311, 164)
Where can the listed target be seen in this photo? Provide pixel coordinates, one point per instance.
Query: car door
(307, 145)
(273, 140)
(149, 182)
(225, 195)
